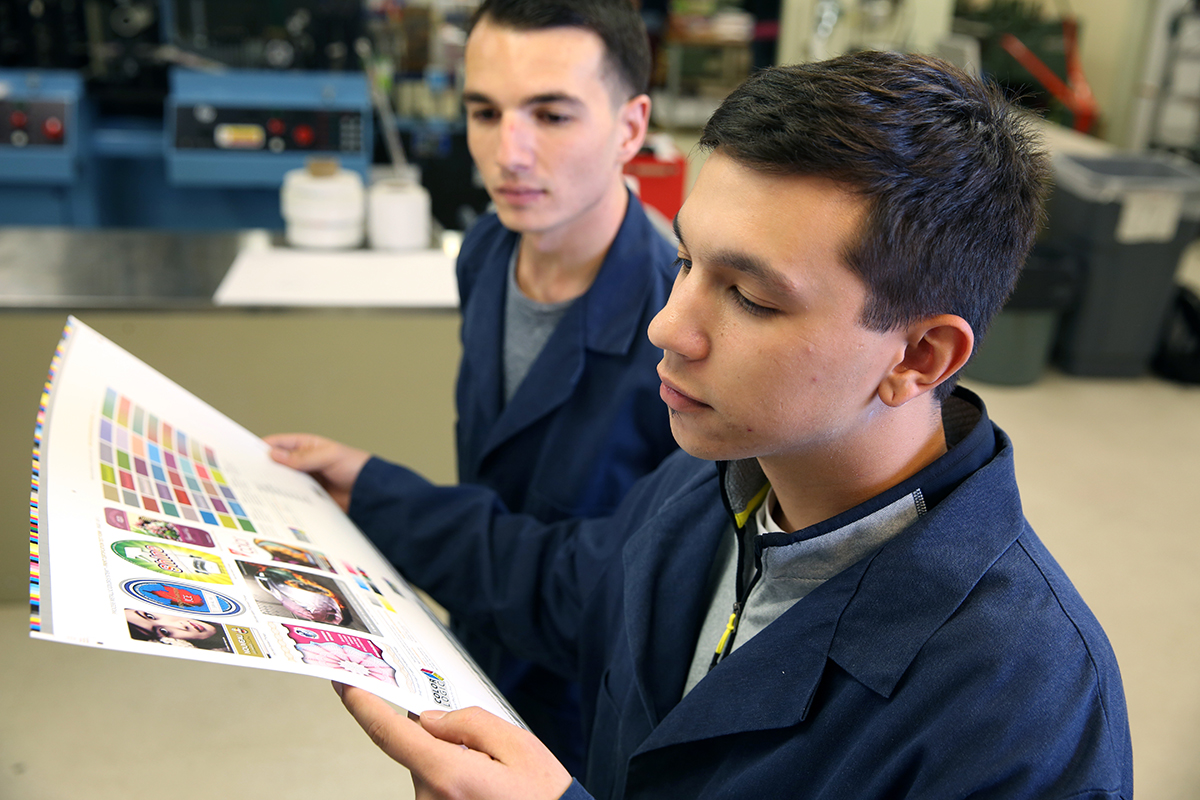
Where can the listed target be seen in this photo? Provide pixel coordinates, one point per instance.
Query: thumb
(394, 733)
(484, 732)
(283, 446)
(526, 761)
(473, 727)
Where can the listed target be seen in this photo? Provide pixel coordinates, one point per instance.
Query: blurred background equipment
(1128, 218)
(181, 114)
(1034, 56)
(189, 114)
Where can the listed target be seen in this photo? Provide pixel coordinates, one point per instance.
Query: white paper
(161, 527)
(283, 276)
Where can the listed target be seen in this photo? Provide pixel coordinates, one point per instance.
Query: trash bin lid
(1106, 179)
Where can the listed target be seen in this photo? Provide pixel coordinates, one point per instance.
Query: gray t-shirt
(527, 327)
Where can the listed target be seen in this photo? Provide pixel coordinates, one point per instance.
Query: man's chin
(704, 447)
(517, 220)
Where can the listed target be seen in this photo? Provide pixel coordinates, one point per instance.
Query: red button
(18, 119)
(52, 128)
(303, 135)
(275, 126)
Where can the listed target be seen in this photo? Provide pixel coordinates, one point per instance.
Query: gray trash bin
(1017, 346)
(1128, 218)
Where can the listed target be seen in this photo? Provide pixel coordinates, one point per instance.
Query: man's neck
(559, 265)
(814, 487)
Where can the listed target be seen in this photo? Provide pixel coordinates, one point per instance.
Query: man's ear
(633, 120)
(935, 348)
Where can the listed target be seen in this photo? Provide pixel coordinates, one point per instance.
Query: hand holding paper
(334, 465)
(467, 753)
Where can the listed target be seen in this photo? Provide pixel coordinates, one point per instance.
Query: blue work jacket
(587, 420)
(955, 661)
(584, 424)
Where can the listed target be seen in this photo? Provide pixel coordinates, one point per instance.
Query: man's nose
(516, 150)
(679, 327)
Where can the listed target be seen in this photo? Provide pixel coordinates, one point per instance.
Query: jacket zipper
(725, 645)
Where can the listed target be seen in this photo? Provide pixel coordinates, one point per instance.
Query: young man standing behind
(557, 396)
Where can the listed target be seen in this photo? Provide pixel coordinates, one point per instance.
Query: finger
(479, 730)
(287, 441)
(304, 452)
(377, 718)
(403, 740)
(284, 446)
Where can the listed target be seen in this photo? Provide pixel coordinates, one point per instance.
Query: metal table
(53, 268)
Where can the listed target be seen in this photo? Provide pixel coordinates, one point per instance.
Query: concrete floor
(78, 723)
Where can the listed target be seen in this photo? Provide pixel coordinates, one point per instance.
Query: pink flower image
(347, 659)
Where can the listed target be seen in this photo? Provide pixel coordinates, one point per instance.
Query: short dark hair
(953, 175)
(616, 22)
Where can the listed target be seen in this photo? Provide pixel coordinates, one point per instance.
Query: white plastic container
(323, 206)
(398, 214)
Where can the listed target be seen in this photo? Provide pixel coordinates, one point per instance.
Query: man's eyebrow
(552, 97)
(753, 266)
(537, 99)
(745, 263)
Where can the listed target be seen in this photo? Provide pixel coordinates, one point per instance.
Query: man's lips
(677, 399)
(519, 194)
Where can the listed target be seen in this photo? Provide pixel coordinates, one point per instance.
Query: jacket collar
(871, 619)
(908, 591)
(605, 319)
(609, 319)
(603, 315)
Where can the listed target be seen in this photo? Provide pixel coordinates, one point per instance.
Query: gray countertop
(54, 268)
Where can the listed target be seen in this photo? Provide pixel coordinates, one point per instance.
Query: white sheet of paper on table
(281, 276)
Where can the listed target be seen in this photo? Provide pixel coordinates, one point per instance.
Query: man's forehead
(546, 61)
(723, 174)
(772, 219)
(735, 254)
(560, 41)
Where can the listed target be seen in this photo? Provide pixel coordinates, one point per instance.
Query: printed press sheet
(161, 527)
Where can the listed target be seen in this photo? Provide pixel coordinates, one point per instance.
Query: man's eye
(483, 114)
(749, 305)
(553, 118)
(682, 264)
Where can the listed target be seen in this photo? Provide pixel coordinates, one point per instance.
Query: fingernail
(339, 688)
(433, 715)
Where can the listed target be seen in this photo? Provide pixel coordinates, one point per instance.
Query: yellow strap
(728, 631)
(743, 515)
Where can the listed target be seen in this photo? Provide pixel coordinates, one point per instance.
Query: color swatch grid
(145, 463)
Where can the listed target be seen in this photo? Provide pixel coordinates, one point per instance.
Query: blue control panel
(44, 128)
(39, 125)
(249, 127)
